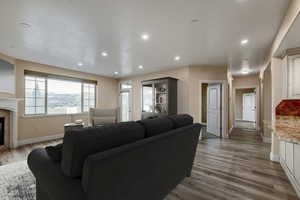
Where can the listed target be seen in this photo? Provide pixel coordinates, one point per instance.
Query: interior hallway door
(249, 107)
(214, 109)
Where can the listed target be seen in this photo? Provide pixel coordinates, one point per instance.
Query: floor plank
(236, 168)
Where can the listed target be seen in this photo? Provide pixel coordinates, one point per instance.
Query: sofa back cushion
(80, 143)
(156, 126)
(181, 120)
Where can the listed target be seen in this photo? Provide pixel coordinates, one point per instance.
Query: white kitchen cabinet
(289, 156)
(282, 150)
(297, 162)
(292, 80)
(291, 163)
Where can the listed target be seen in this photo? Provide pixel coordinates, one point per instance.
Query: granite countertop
(287, 126)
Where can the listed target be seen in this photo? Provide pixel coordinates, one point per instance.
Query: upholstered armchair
(98, 117)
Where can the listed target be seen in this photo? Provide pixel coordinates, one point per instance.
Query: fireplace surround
(8, 111)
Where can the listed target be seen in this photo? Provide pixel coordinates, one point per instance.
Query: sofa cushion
(55, 152)
(156, 126)
(181, 120)
(80, 143)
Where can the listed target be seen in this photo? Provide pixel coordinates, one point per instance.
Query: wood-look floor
(8, 156)
(236, 168)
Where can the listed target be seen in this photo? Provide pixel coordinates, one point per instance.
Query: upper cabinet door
(294, 77)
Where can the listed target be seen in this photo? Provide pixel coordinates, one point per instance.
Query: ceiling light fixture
(104, 54)
(245, 41)
(116, 73)
(177, 58)
(245, 71)
(25, 25)
(141, 67)
(80, 64)
(145, 37)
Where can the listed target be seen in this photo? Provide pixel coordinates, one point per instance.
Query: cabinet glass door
(161, 97)
(148, 104)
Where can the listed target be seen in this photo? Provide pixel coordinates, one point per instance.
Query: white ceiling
(291, 39)
(65, 32)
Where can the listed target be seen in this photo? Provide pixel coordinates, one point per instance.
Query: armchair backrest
(98, 116)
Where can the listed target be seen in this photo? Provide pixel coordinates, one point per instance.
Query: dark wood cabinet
(159, 97)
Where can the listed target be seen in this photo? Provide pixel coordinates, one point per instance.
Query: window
(63, 97)
(35, 95)
(47, 94)
(88, 96)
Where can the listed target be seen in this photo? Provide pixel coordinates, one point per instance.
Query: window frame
(63, 78)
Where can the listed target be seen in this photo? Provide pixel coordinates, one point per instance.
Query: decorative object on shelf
(159, 97)
(288, 119)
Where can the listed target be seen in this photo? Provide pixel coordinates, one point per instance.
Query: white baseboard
(292, 179)
(274, 157)
(267, 140)
(39, 139)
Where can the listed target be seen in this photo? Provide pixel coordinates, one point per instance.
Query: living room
(96, 91)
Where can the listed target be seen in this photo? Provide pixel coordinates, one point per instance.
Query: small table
(72, 126)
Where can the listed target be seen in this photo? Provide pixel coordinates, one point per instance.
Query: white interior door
(214, 109)
(249, 107)
(125, 107)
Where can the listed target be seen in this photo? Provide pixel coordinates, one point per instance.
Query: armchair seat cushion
(103, 120)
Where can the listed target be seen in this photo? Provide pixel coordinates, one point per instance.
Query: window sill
(54, 115)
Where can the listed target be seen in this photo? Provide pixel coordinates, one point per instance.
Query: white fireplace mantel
(11, 104)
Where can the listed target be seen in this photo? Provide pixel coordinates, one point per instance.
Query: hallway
(238, 168)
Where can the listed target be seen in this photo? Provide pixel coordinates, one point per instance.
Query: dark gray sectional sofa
(142, 160)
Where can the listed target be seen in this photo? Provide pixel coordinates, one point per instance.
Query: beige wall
(34, 127)
(245, 81)
(239, 102)
(267, 103)
(230, 102)
(189, 88)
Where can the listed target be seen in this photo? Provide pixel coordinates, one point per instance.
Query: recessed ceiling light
(25, 25)
(104, 54)
(245, 41)
(245, 71)
(79, 64)
(145, 36)
(116, 73)
(141, 67)
(177, 58)
(195, 20)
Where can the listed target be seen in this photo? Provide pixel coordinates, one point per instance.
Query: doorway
(125, 101)
(212, 111)
(245, 108)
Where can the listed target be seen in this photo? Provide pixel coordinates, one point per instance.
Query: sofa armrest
(51, 179)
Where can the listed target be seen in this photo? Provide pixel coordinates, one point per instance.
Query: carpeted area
(17, 182)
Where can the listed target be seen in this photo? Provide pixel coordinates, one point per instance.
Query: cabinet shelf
(159, 97)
